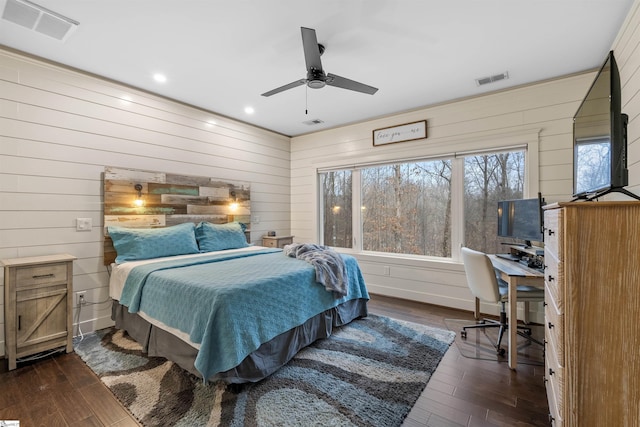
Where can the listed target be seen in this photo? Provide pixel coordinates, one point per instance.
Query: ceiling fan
(316, 77)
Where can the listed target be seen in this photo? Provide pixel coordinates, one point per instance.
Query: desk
(515, 274)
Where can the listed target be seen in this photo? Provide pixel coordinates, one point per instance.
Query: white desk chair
(487, 287)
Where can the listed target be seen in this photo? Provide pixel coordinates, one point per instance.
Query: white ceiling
(222, 55)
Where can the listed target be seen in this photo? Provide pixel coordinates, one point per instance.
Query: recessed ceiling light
(249, 110)
(160, 78)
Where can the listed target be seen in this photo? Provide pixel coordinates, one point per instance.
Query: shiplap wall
(58, 131)
(627, 52)
(545, 109)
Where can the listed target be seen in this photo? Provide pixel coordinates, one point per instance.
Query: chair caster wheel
(501, 352)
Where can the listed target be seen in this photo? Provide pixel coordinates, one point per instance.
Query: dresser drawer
(554, 278)
(554, 413)
(553, 240)
(41, 275)
(554, 373)
(554, 327)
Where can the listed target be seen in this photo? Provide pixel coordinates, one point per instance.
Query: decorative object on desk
(401, 133)
(376, 363)
(271, 233)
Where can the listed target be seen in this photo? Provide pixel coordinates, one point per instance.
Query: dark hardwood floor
(62, 391)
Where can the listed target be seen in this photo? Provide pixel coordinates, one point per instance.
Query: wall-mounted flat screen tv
(600, 137)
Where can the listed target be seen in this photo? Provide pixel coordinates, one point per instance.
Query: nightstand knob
(551, 278)
(551, 325)
(551, 232)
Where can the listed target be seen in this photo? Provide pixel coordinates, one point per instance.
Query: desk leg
(476, 312)
(513, 323)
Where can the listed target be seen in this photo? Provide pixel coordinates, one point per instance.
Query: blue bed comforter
(230, 304)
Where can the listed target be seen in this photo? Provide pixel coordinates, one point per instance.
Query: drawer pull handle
(551, 278)
(551, 232)
(551, 419)
(43, 276)
(544, 303)
(19, 322)
(551, 325)
(551, 371)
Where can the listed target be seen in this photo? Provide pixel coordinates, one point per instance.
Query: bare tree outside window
(406, 208)
(337, 211)
(488, 179)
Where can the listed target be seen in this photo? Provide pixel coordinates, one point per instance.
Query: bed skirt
(268, 358)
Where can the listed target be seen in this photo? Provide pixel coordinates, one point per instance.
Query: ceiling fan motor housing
(316, 78)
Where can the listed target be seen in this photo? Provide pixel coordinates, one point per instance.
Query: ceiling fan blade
(285, 87)
(344, 83)
(311, 49)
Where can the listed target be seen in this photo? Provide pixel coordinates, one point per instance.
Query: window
(336, 208)
(406, 207)
(489, 178)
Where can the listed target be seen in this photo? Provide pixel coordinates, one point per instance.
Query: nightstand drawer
(276, 241)
(41, 274)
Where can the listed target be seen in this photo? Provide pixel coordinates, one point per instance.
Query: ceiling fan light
(316, 84)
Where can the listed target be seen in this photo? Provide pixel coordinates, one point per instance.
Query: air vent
(38, 18)
(313, 122)
(496, 78)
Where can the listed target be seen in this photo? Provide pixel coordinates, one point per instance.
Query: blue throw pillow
(144, 243)
(218, 237)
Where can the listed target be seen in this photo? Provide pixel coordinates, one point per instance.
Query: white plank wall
(500, 118)
(60, 128)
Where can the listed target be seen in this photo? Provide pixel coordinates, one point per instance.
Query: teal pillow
(218, 237)
(144, 243)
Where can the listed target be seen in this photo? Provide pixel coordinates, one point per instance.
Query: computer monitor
(521, 219)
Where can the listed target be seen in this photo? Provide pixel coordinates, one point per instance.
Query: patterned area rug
(368, 373)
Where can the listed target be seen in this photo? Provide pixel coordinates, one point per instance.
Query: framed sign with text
(400, 133)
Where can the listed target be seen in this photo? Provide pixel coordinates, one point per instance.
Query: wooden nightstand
(276, 241)
(38, 305)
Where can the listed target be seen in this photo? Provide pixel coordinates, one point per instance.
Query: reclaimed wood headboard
(169, 200)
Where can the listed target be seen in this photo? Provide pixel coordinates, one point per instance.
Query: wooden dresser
(38, 305)
(592, 311)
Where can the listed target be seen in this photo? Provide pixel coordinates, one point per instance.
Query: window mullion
(457, 207)
(356, 209)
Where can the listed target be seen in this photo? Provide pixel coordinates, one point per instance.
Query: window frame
(527, 140)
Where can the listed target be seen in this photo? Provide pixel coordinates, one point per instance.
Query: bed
(235, 315)
(190, 288)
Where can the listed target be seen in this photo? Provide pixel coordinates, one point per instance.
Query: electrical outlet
(80, 298)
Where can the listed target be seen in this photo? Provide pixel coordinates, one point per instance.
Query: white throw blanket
(329, 265)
